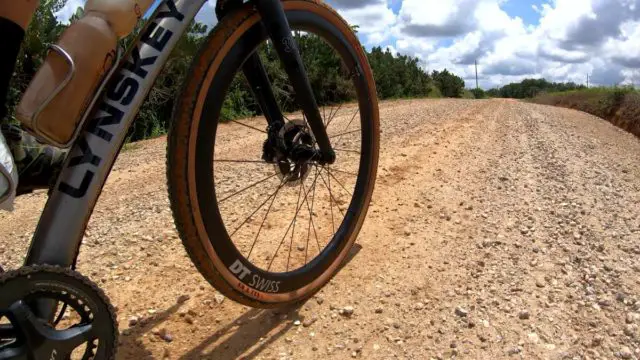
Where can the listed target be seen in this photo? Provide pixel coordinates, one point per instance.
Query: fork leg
(277, 26)
(260, 85)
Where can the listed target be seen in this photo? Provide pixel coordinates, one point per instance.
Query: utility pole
(587, 80)
(477, 86)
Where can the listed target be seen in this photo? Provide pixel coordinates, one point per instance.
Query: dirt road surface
(498, 230)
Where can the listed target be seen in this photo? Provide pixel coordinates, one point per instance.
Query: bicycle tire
(190, 145)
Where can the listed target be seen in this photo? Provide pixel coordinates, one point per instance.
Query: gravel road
(498, 230)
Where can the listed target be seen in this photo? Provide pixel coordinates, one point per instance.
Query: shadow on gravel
(244, 338)
(247, 336)
(130, 346)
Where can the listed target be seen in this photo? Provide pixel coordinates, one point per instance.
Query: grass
(620, 106)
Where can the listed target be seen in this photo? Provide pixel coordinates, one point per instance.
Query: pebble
(524, 315)
(514, 351)
(632, 318)
(167, 337)
(597, 341)
(183, 298)
(297, 323)
(133, 321)
(347, 311)
(379, 310)
(219, 298)
(461, 312)
(625, 353)
(162, 334)
(309, 321)
(630, 330)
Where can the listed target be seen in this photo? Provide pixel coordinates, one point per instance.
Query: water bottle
(61, 91)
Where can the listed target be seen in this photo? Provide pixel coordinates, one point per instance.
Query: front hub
(295, 152)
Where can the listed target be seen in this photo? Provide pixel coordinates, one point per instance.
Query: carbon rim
(352, 211)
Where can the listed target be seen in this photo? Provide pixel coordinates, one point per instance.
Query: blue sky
(524, 10)
(561, 40)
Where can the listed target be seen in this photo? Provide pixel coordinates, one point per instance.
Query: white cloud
(572, 38)
(373, 17)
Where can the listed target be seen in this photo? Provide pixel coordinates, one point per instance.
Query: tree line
(396, 75)
(530, 88)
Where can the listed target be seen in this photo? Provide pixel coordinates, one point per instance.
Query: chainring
(26, 336)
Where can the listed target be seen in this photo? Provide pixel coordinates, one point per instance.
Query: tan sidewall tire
(182, 162)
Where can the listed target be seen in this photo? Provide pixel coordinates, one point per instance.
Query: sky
(560, 40)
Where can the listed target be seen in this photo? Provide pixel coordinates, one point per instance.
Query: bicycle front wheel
(272, 233)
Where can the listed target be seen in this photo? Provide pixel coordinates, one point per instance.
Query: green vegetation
(449, 84)
(529, 88)
(399, 76)
(479, 93)
(620, 106)
(396, 75)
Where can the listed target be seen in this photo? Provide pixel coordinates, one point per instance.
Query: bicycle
(35, 298)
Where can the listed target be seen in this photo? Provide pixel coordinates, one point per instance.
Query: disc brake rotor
(294, 133)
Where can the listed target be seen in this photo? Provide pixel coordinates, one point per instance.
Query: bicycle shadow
(244, 338)
(234, 340)
(130, 345)
(256, 331)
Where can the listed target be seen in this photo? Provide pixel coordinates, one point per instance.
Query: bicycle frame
(59, 233)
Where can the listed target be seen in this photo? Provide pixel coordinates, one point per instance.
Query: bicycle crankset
(86, 330)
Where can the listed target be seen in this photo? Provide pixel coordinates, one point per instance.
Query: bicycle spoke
(247, 188)
(293, 231)
(338, 181)
(243, 161)
(289, 228)
(331, 195)
(347, 150)
(258, 209)
(352, 118)
(324, 117)
(311, 222)
(344, 172)
(248, 126)
(333, 116)
(333, 225)
(265, 219)
(313, 199)
(344, 134)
